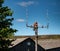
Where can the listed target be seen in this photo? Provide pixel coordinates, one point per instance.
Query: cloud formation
(25, 4)
(20, 20)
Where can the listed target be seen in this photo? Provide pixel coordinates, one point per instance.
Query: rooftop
(46, 43)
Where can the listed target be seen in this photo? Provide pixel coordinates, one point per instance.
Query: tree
(5, 26)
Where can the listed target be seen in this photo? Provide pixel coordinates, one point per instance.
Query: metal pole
(36, 40)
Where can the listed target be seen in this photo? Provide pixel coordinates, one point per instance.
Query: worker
(35, 26)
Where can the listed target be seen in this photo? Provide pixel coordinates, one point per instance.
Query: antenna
(47, 19)
(26, 16)
(47, 12)
(35, 28)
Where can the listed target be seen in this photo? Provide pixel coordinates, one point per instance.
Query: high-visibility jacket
(35, 25)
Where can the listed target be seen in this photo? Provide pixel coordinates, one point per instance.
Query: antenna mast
(35, 28)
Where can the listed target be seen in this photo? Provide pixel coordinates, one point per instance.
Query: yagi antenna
(26, 16)
(47, 19)
(47, 14)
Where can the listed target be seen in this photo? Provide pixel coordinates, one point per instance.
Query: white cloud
(20, 20)
(25, 4)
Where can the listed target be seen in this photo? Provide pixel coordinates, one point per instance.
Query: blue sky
(37, 11)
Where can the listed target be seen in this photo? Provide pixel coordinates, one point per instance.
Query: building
(25, 44)
(28, 44)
